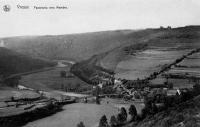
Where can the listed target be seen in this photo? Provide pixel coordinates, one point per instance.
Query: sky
(95, 15)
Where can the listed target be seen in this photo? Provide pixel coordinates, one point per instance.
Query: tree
(133, 112)
(120, 118)
(81, 124)
(63, 74)
(147, 110)
(97, 100)
(103, 122)
(113, 121)
(124, 114)
(97, 92)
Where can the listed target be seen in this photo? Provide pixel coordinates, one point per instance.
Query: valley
(141, 67)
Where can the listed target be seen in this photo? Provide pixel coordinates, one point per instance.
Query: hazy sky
(95, 15)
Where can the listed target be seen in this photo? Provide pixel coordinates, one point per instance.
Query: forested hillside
(12, 62)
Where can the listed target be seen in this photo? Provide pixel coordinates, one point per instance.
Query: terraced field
(187, 72)
(192, 61)
(146, 62)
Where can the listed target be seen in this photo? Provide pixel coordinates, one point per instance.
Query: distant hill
(106, 49)
(75, 47)
(12, 62)
(72, 47)
(83, 46)
(170, 40)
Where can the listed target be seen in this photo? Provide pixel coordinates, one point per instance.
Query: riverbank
(29, 115)
(18, 107)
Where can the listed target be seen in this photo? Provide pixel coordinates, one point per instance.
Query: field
(6, 93)
(7, 106)
(146, 62)
(51, 80)
(184, 74)
(73, 114)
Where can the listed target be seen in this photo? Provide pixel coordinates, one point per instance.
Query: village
(158, 84)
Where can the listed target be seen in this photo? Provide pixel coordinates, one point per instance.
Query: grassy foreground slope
(12, 62)
(186, 114)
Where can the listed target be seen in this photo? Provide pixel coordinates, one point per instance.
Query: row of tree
(116, 121)
(121, 118)
(141, 83)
